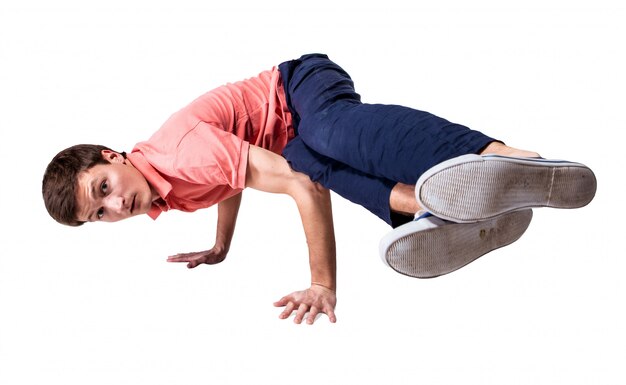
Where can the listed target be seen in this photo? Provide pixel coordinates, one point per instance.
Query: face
(112, 192)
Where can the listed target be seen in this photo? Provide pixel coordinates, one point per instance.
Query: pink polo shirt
(199, 156)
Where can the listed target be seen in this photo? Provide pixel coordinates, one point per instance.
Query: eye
(104, 187)
(100, 213)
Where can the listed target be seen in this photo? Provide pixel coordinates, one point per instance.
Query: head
(87, 182)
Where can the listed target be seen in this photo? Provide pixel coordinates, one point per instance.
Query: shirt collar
(162, 186)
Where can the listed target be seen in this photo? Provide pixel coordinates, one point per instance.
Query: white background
(99, 304)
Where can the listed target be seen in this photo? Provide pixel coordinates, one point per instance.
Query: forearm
(227, 211)
(315, 209)
(226, 218)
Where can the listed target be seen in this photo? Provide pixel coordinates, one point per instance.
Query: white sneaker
(473, 188)
(429, 246)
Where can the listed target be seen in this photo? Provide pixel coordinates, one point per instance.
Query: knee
(303, 159)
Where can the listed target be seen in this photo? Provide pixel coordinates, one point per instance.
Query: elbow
(304, 186)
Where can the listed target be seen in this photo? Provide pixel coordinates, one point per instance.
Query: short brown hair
(61, 178)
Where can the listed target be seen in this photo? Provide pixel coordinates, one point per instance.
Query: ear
(112, 156)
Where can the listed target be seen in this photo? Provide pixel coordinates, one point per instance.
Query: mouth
(132, 205)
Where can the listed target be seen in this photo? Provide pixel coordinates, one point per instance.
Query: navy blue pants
(358, 150)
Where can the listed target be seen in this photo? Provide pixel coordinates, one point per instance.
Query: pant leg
(358, 187)
(388, 141)
(366, 190)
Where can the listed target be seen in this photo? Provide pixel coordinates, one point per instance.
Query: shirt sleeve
(211, 156)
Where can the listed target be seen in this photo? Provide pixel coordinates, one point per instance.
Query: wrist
(221, 247)
(326, 286)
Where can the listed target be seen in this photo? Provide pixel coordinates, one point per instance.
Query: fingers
(185, 257)
(305, 308)
(283, 301)
(287, 312)
(331, 315)
(290, 307)
(290, 302)
(196, 261)
(313, 312)
(179, 258)
(192, 259)
(302, 309)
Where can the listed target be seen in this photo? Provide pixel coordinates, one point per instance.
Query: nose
(116, 204)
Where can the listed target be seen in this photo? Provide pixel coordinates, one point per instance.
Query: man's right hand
(210, 257)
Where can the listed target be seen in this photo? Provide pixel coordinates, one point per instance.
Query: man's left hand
(314, 300)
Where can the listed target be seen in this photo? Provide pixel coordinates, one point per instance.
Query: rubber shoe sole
(425, 249)
(473, 188)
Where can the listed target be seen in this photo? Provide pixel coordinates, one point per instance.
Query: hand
(210, 257)
(317, 299)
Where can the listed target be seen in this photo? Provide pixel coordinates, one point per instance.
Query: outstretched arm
(271, 173)
(227, 211)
